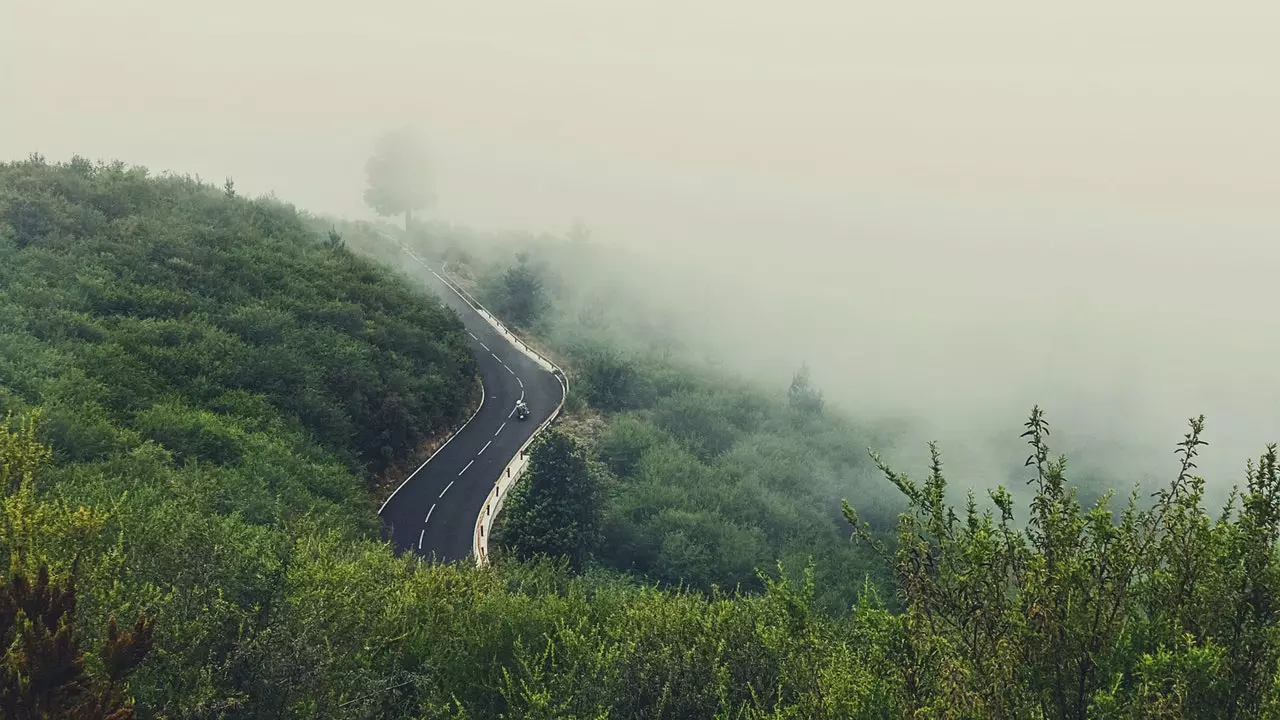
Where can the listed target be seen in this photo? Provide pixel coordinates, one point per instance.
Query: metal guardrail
(514, 469)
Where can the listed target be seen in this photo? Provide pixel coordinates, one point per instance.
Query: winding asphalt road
(433, 513)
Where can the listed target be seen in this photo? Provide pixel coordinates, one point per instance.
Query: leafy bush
(517, 294)
(555, 510)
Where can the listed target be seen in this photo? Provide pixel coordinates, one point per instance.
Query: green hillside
(202, 391)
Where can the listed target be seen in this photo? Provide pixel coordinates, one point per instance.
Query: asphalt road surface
(434, 512)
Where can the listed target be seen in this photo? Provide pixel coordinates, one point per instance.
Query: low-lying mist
(1119, 347)
(957, 345)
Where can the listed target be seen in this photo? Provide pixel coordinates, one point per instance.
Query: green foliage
(334, 240)
(398, 177)
(555, 510)
(131, 293)
(1081, 613)
(517, 295)
(611, 381)
(716, 477)
(214, 380)
(802, 396)
(42, 669)
(216, 383)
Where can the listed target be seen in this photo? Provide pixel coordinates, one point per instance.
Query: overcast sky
(953, 209)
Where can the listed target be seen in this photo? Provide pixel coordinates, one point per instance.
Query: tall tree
(556, 510)
(802, 395)
(398, 175)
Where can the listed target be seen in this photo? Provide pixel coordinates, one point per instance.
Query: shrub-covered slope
(192, 487)
(139, 304)
(216, 381)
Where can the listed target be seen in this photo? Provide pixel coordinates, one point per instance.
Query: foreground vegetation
(185, 536)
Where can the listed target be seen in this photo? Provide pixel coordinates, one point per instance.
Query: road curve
(434, 511)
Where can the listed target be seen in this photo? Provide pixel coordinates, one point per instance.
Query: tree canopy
(398, 175)
(555, 509)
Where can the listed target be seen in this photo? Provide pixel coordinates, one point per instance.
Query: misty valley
(211, 400)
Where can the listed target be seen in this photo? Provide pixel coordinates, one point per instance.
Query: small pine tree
(802, 395)
(335, 241)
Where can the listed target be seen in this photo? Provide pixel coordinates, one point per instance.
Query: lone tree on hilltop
(398, 177)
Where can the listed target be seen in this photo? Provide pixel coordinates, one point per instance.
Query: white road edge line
(486, 447)
(463, 470)
(437, 452)
(446, 488)
(481, 550)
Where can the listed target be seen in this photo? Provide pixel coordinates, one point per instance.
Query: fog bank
(951, 212)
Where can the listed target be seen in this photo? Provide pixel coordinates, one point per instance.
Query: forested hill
(178, 311)
(215, 381)
(198, 390)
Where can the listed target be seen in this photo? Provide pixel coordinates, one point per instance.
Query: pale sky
(953, 209)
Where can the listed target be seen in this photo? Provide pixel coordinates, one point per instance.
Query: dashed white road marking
(433, 509)
(519, 381)
(486, 347)
(420, 535)
(513, 412)
(446, 488)
(500, 428)
(464, 470)
(486, 447)
(473, 335)
(495, 356)
(513, 372)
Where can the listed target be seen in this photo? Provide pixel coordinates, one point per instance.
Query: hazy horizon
(950, 212)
